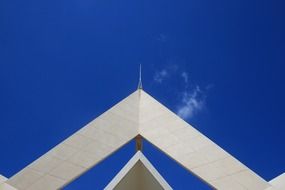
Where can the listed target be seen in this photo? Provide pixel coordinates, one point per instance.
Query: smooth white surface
(4, 185)
(2, 179)
(138, 114)
(83, 150)
(279, 181)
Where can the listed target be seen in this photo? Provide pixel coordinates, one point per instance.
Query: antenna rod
(140, 78)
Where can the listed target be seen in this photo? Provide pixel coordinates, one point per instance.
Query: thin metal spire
(140, 78)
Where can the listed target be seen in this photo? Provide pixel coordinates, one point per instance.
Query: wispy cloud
(192, 98)
(161, 75)
(185, 77)
(162, 37)
(192, 102)
(165, 73)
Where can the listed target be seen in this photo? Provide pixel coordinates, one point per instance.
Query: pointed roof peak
(140, 78)
(138, 114)
(140, 174)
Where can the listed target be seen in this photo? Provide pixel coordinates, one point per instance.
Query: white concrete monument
(138, 116)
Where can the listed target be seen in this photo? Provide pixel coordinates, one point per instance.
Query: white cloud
(162, 37)
(165, 73)
(192, 102)
(192, 99)
(161, 75)
(185, 77)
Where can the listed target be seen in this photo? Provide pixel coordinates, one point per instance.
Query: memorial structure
(138, 116)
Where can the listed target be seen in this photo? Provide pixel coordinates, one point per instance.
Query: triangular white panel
(138, 174)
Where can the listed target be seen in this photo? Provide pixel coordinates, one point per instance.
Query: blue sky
(219, 64)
